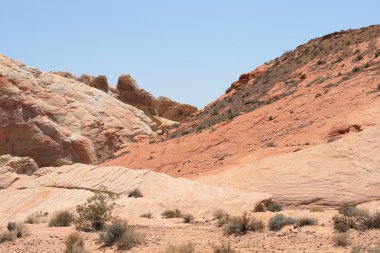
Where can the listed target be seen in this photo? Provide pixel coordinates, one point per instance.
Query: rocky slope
(308, 99)
(57, 120)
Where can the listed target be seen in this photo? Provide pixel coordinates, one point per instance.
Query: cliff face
(57, 120)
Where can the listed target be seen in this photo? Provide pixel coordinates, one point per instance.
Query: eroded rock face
(163, 107)
(57, 120)
(20, 165)
(173, 110)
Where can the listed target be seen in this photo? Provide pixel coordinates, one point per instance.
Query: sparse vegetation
(169, 214)
(355, 69)
(15, 230)
(278, 221)
(75, 243)
(121, 235)
(136, 193)
(274, 207)
(271, 145)
(97, 210)
(260, 207)
(147, 215)
(224, 249)
(315, 209)
(351, 217)
(218, 214)
(181, 248)
(187, 218)
(240, 225)
(306, 221)
(341, 239)
(61, 219)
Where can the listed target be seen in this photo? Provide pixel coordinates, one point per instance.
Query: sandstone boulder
(172, 110)
(20, 165)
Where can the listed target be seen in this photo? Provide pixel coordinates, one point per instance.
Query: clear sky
(190, 50)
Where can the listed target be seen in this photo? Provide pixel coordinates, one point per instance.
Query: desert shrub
(187, 218)
(351, 211)
(240, 225)
(130, 239)
(371, 221)
(260, 207)
(355, 69)
(121, 235)
(37, 218)
(223, 219)
(271, 145)
(341, 239)
(224, 249)
(147, 215)
(11, 226)
(316, 209)
(218, 214)
(378, 87)
(136, 193)
(341, 224)
(21, 230)
(96, 211)
(61, 219)
(274, 207)
(306, 221)
(359, 57)
(75, 243)
(8, 236)
(181, 248)
(278, 221)
(351, 217)
(169, 214)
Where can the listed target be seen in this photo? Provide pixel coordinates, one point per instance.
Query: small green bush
(355, 70)
(180, 248)
(351, 211)
(97, 210)
(371, 221)
(61, 219)
(341, 239)
(274, 207)
(187, 218)
(169, 214)
(240, 225)
(136, 193)
(75, 243)
(224, 249)
(259, 207)
(121, 235)
(278, 221)
(306, 221)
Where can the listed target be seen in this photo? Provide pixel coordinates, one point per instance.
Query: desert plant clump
(371, 221)
(15, 230)
(61, 219)
(136, 193)
(306, 221)
(350, 217)
(147, 215)
(97, 210)
(37, 218)
(120, 234)
(355, 70)
(357, 249)
(218, 214)
(180, 248)
(240, 225)
(278, 221)
(341, 239)
(75, 243)
(274, 207)
(316, 209)
(187, 218)
(259, 207)
(169, 214)
(224, 249)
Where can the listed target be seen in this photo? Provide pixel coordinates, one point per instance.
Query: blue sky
(187, 50)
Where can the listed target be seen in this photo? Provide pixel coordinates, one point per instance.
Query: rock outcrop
(162, 107)
(57, 120)
(20, 165)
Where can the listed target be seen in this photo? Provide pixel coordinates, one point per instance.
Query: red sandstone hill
(302, 127)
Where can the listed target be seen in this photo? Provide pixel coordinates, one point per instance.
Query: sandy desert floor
(205, 236)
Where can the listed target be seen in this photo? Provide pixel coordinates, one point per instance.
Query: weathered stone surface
(172, 110)
(20, 165)
(56, 120)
